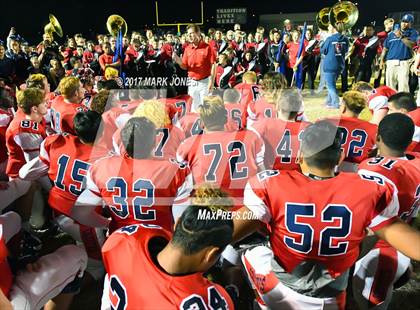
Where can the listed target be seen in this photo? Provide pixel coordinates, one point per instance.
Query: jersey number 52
(304, 241)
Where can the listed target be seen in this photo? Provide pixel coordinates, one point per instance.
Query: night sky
(89, 17)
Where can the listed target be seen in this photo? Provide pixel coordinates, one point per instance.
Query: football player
(136, 187)
(317, 222)
(65, 106)
(404, 103)
(179, 261)
(282, 133)
(235, 109)
(358, 136)
(66, 159)
(264, 107)
(48, 282)
(225, 158)
(377, 99)
(249, 89)
(26, 131)
(376, 273)
(23, 139)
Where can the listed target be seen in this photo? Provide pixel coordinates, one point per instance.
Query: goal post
(178, 25)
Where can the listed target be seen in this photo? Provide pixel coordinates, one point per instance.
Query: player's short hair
(403, 100)
(108, 84)
(193, 233)
(362, 87)
(86, 125)
(99, 101)
(28, 98)
(213, 112)
(354, 101)
(290, 100)
(271, 85)
(36, 80)
(211, 196)
(231, 95)
(194, 27)
(321, 145)
(396, 131)
(68, 86)
(155, 111)
(250, 77)
(138, 137)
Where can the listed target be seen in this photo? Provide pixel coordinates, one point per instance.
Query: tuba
(53, 26)
(115, 24)
(323, 18)
(345, 13)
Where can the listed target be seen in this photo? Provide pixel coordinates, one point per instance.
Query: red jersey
(182, 103)
(113, 119)
(23, 138)
(379, 99)
(415, 116)
(6, 116)
(62, 114)
(139, 190)
(282, 142)
(249, 92)
(177, 106)
(156, 289)
(261, 109)
(191, 124)
(324, 229)
(237, 114)
(168, 139)
(227, 159)
(6, 279)
(405, 174)
(358, 137)
(68, 160)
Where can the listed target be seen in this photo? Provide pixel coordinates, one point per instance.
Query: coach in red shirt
(199, 60)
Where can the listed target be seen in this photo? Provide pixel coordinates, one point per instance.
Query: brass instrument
(53, 26)
(344, 12)
(115, 24)
(323, 18)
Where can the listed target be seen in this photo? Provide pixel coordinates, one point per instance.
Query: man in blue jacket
(334, 48)
(398, 51)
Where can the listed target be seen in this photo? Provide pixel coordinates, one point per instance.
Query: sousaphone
(115, 24)
(345, 13)
(53, 26)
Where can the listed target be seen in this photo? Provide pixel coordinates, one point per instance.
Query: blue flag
(280, 59)
(119, 53)
(299, 73)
